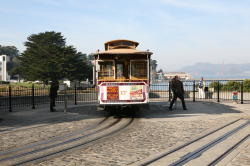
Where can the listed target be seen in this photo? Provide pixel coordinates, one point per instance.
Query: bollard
(75, 95)
(218, 91)
(33, 96)
(10, 98)
(193, 91)
(241, 93)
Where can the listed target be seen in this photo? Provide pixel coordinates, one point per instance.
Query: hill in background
(218, 71)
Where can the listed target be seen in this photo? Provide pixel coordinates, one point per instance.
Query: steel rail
(186, 144)
(199, 151)
(20, 128)
(76, 146)
(76, 132)
(57, 144)
(222, 156)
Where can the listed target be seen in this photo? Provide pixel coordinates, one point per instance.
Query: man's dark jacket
(177, 87)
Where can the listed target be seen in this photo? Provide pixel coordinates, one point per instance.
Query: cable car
(122, 73)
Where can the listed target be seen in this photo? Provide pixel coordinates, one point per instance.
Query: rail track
(210, 149)
(57, 138)
(20, 127)
(42, 123)
(42, 150)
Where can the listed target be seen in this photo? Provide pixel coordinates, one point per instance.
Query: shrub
(232, 86)
(246, 85)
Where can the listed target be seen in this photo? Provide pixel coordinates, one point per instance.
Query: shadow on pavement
(83, 112)
(42, 115)
(160, 110)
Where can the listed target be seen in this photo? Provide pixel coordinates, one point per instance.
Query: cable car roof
(120, 42)
(124, 51)
(122, 46)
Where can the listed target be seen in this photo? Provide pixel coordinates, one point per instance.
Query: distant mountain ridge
(218, 71)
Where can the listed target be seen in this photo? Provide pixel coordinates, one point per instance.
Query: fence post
(33, 96)
(241, 93)
(65, 98)
(169, 92)
(10, 98)
(218, 91)
(193, 91)
(75, 95)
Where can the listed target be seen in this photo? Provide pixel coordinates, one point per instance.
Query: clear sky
(178, 32)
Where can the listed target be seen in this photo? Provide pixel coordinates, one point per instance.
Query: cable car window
(106, 69)
(139, 69)
(127, 43)
(119, 70)
(121, 44)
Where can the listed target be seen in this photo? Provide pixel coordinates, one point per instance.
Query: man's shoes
(170, 109)
(184, 108)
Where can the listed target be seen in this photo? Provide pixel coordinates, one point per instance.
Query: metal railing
(213, 90)
(14, 98)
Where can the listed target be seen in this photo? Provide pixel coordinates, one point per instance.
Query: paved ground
(24, 127)
(155, 130)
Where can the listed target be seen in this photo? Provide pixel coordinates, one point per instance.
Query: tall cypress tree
(47, 58)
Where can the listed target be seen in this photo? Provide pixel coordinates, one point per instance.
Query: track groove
(32, 152)
(205, 149)
(221, 157)
(57, 138)
(154, 159)
(76, 146)
(199, 151)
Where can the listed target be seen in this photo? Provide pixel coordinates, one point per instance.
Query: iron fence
(12, 98)
(212, 90)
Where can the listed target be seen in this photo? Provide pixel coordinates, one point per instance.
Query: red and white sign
(122, 93)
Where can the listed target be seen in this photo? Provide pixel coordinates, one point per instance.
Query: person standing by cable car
(177, 87)
(201, 88)
(53, 94)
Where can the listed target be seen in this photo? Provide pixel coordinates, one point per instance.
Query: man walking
(177, 88)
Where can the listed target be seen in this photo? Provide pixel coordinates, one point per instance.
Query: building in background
(181, 75)
(4, 59)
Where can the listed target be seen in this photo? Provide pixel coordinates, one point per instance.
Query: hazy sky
(178, 32)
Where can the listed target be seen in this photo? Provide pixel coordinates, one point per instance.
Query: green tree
(89, 60)
(246, 85)
(153, 69)
(47, 58)
(232, 86)
(15, 71)
(12, 52)
(215, 85)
